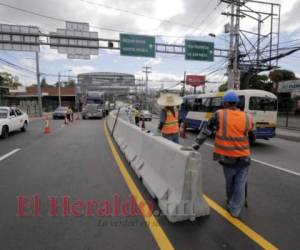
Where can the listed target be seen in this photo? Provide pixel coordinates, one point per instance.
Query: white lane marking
(267, 164)
(9, 154)
(276, 167)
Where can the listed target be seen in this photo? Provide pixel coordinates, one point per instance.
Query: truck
(94, 105)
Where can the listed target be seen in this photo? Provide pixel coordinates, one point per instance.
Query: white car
(12, 119)
(146, 115)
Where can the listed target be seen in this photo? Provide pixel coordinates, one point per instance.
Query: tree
(44, 82)
(70, 83)
(260, 82)
(284, 99)
(281, 75)
(8, 80)
(223, 87)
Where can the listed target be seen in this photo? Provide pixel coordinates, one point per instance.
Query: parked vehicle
(94, 105)
(12, 119)
(60, 113)
(146, 115)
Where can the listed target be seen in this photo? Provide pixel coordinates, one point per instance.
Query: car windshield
(3, 114)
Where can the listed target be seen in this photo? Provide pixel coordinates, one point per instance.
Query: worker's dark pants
(69, 117)
(137, 120)
(172, 137)
(236, 179)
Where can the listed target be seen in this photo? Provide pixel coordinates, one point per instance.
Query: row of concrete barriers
(171, 175)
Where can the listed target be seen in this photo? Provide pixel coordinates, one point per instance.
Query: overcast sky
(169, 20)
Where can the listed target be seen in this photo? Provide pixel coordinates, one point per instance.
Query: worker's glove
(196, 146)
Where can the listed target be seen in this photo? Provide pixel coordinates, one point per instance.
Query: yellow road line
(157, 232)
(240, 225)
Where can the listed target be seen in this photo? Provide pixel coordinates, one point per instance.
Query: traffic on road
(69, 179)
(149, 125)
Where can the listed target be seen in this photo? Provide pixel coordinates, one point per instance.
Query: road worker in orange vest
(169, 117)
(232, 129)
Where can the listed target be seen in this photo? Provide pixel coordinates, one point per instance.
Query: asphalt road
(35, 131)
(273, 191)
(278, 152)
(75, 162)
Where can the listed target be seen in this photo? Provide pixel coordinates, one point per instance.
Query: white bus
(197, 109)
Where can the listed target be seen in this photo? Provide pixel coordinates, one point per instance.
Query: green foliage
(8, 80)
(281, 75)
(223, 87)
(44, 82)
(70, 83)
(261, 82)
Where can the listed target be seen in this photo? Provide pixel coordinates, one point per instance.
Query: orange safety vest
(231, 139)
(171, 125)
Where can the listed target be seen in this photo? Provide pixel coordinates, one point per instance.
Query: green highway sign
(137, 45)
(199, 51)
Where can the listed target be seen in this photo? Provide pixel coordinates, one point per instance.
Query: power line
(136, 13)
(17, 66)
(92, 26)
(208, 16)
(195, 19)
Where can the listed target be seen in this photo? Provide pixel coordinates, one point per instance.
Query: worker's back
(232, 134)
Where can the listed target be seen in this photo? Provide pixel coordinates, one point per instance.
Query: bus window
(216, 104)
(190, 104)
(241, 103)
(262, 103)
(204, 106)
(197, 104)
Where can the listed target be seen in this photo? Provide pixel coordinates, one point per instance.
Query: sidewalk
(288, 134)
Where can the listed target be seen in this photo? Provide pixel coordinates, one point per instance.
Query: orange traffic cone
(143, 124)
(47, 129)
(182, 130)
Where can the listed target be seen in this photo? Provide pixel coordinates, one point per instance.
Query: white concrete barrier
(171, 175)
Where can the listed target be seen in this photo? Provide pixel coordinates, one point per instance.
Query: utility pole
(184, 82)
(236, 71)
(59, 90)
(233, 55)
(146, 71)
(38, 83)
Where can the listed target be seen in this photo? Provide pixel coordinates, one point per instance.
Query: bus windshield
(263, 103)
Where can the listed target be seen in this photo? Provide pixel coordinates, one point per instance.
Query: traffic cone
(47, 129)
(182, 130)
(143, 124)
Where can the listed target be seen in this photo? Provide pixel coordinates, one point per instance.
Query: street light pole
(59, 90)
(146, 71)
(38, 83)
